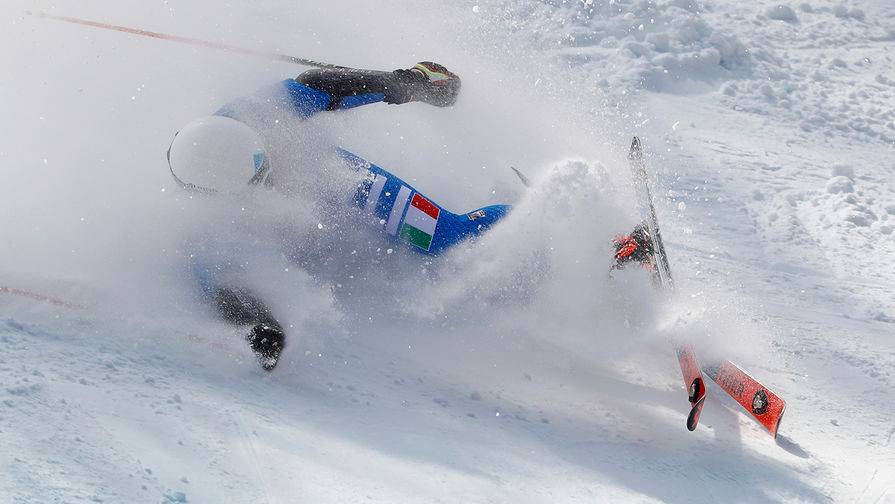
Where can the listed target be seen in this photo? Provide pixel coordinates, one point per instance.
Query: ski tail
(765, 406)
(693, 382)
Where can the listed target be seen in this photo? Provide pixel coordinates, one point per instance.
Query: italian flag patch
(420, 221)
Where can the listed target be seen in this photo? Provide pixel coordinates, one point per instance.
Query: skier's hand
(431, 83)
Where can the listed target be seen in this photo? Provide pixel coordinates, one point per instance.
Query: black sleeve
(397, 87)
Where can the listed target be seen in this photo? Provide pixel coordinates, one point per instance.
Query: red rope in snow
(187, 40)
(40, 297)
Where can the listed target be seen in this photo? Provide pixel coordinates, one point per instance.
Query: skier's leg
(242, 307)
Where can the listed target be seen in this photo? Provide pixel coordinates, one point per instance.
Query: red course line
(185, 40)
(40, 297)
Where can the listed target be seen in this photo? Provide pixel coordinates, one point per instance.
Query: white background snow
(512, 370)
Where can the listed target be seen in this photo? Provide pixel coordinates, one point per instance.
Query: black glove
(434, 84)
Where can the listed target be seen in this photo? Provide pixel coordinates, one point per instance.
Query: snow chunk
(840, 11)
(817, 76)
(733, 53)
(842, 170)
(176, 497)
(840, 184)
(861, 219)
(781, 12)
(843, 12)
(838, 63)
(660, 41)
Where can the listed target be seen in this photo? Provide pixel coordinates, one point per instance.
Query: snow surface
(512, 370)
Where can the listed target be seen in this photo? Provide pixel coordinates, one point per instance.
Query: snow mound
(796, 70)
(848, 217)
(838, 185)
(637, 45)
(803, 74)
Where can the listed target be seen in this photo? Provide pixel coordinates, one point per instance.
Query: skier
(226, 153)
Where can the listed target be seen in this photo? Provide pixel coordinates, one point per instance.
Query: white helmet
(218, 154)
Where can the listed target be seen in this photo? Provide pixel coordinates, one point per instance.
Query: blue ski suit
(406, 214)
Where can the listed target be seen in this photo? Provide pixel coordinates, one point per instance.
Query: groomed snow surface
(511, 370)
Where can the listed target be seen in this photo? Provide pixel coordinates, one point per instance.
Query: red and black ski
(765, 406)
(686, 357)
(693, 381)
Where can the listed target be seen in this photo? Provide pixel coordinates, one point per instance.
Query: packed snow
(513, 369)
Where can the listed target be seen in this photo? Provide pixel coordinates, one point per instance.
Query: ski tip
(525, 181)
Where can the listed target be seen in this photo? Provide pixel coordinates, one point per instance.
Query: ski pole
(187, 40)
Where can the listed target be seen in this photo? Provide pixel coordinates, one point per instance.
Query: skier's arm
(343, 88)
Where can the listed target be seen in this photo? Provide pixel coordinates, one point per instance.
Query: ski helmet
(218, 155)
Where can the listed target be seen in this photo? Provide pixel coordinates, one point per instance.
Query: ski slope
(513, 369)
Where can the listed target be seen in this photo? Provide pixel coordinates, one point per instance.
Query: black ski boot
(267, 342)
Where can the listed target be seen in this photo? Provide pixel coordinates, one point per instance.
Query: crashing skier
(228, 153)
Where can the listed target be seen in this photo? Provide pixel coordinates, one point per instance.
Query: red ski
(764, 405)
(693, 381)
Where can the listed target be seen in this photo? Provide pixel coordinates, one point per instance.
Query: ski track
(771, 131)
